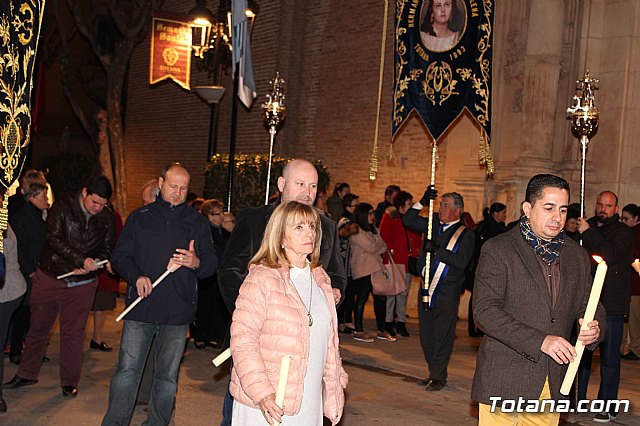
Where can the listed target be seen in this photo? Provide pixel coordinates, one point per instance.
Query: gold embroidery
(438, 84)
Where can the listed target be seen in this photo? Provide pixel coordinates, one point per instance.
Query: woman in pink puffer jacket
(286, 308)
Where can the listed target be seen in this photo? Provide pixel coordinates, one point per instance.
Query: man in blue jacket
(165, 234)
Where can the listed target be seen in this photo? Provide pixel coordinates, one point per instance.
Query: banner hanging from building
(170, 49)
(20, 23)
(443, 61)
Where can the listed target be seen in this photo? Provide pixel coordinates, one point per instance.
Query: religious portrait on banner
(442, 23)
(443, 66)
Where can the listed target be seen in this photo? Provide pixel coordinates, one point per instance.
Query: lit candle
(282, 383)
(636, 265)
(589, 313)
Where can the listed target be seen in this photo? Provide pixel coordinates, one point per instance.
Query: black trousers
(437, 332)
(345, 310)
(362, 289)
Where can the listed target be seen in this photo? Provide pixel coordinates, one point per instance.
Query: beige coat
(366, 248)
(270, 321)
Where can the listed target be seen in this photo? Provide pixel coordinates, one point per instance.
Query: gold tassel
(484, 154)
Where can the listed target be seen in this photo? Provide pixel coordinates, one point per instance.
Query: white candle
(99, 264)
(224, 355)
(589, 313)
(282, 383)
(139, 299)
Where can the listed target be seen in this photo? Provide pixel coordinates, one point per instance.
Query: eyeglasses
(372, 213)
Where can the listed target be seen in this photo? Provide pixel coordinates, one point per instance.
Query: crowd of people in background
(349, 241)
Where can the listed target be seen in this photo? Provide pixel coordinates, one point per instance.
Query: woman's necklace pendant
(310, 319)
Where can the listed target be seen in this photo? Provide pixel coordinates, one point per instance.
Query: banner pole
(426, 299)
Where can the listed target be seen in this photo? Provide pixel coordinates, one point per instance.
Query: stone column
(542, 65)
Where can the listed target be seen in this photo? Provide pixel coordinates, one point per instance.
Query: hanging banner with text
(443, 61)
(170, 49)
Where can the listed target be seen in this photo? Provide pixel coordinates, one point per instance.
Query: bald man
(299, 182)
(165, 234)
(612, 240)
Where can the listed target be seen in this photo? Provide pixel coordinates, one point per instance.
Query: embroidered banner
(170, 49)
(19, 30)
(443, 61)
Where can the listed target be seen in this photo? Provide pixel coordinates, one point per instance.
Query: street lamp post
(211, 44)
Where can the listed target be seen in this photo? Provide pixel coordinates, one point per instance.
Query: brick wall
(328, 52)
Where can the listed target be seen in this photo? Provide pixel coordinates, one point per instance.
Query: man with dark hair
(532, 284)
(607, 237)
(79, 233)
(164, 235)
(299, 182)
(451, 248)
(571, 224)
(349, 203)
(334, 203)
(389, 192)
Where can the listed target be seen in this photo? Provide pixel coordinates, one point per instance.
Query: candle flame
(637, 261)
(597, 258)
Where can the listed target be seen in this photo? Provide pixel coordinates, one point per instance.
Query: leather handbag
(390, 280)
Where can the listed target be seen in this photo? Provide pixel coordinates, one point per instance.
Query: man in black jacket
(604, 235)
(299, 182)
(164, 235)
(79, 232)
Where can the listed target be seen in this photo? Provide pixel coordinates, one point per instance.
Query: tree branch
(66, 82)
(105, 60)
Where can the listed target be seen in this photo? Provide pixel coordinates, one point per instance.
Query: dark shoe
(45, 359)
(630, 356)
(199, 345)
(401, 328)
(347, 330)
(3, 405)
(15, 359)
(389, 328)
(18, 382)
(69, 391)
(435, 385)
(102, 346)
(213, 344)
(604, 418)
(424, 382)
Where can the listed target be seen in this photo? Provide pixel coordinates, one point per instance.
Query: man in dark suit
(532, 284)
(451, 247)
(611, 239)
(299, 182)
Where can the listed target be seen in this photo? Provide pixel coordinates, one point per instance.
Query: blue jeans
(134, 349)
(227, 406)
(609, 362)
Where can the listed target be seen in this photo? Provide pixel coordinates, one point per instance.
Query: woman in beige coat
(286, 307)
(366, 250)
